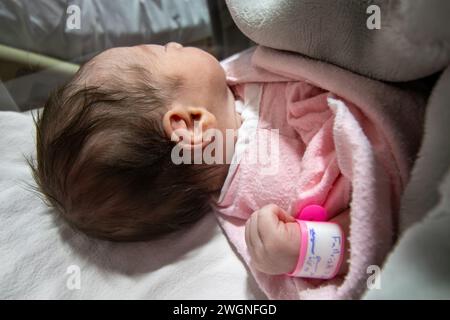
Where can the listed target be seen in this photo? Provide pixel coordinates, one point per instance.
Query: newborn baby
(105, 146)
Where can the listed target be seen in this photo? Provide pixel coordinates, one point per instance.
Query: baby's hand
(273, 240)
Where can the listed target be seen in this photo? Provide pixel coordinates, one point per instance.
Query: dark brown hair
(104, 162)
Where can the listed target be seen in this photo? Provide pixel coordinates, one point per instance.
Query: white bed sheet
(37, 250)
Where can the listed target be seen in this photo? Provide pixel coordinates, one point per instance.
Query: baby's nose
(174, 45)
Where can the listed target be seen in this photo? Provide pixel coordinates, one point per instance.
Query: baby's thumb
(285, 217)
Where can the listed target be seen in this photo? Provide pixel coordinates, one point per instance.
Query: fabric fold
(342, 141)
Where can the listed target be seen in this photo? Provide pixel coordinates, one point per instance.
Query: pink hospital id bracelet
(321, 250)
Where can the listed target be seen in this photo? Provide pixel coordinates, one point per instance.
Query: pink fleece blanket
(346, 142)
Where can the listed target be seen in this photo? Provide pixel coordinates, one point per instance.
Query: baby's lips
(312, 212)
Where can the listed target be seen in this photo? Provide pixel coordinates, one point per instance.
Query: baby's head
(104, 141)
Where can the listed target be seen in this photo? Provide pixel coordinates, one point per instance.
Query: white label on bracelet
(324, 251)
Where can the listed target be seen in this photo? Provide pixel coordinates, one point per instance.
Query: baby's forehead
(115, 57)
(125, 56)
(114, 53)
(111, 63)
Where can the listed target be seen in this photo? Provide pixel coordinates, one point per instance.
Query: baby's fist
(273, 240)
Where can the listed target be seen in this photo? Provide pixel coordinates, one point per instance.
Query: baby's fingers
(255, 232)
(269, 219)
(285, 217)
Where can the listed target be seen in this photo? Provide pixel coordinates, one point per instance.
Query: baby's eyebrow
(146, 50)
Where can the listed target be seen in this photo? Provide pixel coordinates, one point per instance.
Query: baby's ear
(187, 125)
